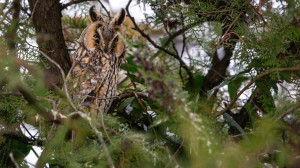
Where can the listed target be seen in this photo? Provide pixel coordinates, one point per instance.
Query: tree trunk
(47, 22)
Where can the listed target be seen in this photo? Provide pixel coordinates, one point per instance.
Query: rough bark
(217, 72)
(47, 23)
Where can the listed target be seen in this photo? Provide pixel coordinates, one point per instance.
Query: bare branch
(182, 63)
(64, 6)
(255, 11)
(289, 111)
(251, 82)
(123, 80)
(125, 96)
(23, 125)
(10, 94)
(13, 160)
(226, 34)
(14, 134)
(33, 10)
(107, 12)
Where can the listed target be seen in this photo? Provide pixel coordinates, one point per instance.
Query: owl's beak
(106, 48)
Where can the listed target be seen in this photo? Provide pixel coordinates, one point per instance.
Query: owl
(93, 77)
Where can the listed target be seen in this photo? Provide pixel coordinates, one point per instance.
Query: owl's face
(100, 34)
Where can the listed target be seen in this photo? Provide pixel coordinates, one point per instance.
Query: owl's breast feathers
(92, 80)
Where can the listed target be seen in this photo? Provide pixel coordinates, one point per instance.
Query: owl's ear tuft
(94, 15)
(118, 20)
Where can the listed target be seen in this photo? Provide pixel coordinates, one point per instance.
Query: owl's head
(103, 35)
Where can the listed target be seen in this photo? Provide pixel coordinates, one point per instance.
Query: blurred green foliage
(174, 125)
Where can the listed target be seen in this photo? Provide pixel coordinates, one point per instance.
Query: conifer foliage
(204, 83)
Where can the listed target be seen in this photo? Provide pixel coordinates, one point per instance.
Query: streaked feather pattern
(92, 80)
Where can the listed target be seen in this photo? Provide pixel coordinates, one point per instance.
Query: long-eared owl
(92, 80)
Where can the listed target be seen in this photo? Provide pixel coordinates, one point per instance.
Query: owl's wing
(86, 77)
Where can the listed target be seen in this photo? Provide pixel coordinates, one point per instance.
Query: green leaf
(232, 91)
(125, 103)
(234, 124)
(198, 82)
(20, 150)
(159, 120)
(234, 85)
(286, 76)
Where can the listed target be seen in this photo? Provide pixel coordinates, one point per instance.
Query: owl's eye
(96, 36)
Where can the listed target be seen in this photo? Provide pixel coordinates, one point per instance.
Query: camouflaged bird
(92, 80)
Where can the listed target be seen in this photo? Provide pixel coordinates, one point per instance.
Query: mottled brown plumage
(92, 80)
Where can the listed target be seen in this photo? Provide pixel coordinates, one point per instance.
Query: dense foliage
(205, 83)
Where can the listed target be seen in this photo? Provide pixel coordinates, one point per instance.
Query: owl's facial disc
(103, 35)
(92, 37)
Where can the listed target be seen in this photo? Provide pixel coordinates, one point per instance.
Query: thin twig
(243, 134)
(188, 71)
(102, 120)
(107, 12)
(255, 11)
(32, 137)
(174, 46)
(32, 13)
(13, 160)
(177, 150)
(287, 112)
(259, 6)
(14, 134)
(64, 6)
(62, 74)
(213, 12)
(240, 38)
(123, 80)
(125, 96)
(51, 132)
(179, 32)
(10, 94)
(230, 26)
(226, 34)
(286, 89)
(251, 82)
(99, 134)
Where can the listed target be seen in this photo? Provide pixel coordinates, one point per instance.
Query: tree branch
(120, 98)
(182, 63)
(64, 6)
(13, 160)
(13, 134)
(287, 112)
(107, 12)
(251, 82)
(62, 74)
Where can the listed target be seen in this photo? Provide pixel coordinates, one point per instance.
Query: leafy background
(203, 84)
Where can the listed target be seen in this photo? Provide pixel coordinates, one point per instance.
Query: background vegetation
(205, 83)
